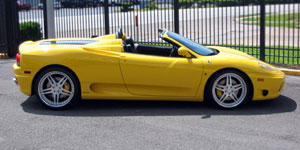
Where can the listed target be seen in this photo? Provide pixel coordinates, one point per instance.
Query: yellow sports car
(61, 72)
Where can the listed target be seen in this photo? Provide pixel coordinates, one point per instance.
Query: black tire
(45, 99)
(231, 97)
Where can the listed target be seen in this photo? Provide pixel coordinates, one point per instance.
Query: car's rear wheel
(57, 88)
(229, 89)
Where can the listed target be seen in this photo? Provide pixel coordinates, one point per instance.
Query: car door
(161, 76)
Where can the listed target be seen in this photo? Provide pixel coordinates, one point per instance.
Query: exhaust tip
(15, 80)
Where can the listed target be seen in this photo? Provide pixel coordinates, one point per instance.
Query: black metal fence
(3, 34)
(8, 28)
(266, 29)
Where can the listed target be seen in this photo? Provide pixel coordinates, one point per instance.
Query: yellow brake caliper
(219, 93)
(66, 87)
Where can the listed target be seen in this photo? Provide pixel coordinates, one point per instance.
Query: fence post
(49, 20)
(12, 27)
(262, 30)
(45, 20)
(176, 16)
(106, 17)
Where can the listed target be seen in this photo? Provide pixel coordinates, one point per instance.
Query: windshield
(199, 49)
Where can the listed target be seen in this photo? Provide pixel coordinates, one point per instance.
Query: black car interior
(132, 47)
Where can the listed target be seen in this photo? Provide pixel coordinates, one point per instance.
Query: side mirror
(184, 52)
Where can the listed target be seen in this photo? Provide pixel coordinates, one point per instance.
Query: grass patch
(291, 20)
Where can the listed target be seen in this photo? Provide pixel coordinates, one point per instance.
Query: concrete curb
(290, 71)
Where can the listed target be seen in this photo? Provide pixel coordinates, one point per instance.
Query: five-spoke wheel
(229, 89)
(56, 88)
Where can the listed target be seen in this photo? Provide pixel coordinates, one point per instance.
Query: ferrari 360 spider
(60, 72)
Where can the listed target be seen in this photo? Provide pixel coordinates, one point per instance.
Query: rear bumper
(24, 81)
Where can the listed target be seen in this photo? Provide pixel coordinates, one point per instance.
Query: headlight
(266, 67)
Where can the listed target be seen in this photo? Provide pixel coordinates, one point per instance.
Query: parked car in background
(118, 2)
(22, 5)
(133, 1)
(80, 3)
(110, 2)
(164, 1)
(57, 5)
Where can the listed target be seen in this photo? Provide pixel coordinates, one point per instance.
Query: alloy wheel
(56, 89)
(229, 90)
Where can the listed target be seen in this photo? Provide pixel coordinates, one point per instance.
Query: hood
(229, 52)
(238, 58)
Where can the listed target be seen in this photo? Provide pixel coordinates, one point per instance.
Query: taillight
(18, 57)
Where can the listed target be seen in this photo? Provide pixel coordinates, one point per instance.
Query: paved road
(25, 124)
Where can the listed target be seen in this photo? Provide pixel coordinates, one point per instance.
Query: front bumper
(269, 88)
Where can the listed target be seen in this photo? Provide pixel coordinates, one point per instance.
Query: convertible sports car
(60, 72)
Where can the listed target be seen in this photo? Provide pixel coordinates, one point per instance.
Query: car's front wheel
(229, 89)
(57, 88)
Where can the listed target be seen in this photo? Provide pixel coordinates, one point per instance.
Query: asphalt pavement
(25, 124)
